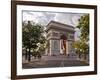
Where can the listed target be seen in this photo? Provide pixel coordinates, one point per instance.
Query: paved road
(44, 63)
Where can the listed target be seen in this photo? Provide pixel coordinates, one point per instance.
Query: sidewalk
(53, 61)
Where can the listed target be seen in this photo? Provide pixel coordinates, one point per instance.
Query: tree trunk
(29, 56)
(85, 56)
(79, 55)
(26, 55)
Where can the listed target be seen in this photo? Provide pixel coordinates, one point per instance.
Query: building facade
(60, 38)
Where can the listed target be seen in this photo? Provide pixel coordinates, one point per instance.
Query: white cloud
(63, 18)
(44, 18)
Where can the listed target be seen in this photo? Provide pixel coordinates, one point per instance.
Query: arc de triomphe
(60, 38)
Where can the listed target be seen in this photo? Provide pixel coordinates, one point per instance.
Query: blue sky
(44, 18)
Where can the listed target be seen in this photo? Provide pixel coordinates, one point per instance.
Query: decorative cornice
(54, 25)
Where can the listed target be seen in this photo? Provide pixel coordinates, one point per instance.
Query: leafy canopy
(84, 27)
(82, 45)
(32, 35)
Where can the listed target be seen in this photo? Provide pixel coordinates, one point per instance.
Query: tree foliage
(82, 45)
(84, 27)
(32, 35)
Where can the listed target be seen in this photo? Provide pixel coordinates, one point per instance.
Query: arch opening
(63, 43)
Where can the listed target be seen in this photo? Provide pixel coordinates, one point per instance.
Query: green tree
(84, 27)
(77, 46)
(82, 46)
(32, 35)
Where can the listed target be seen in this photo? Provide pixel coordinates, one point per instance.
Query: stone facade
(60, 38)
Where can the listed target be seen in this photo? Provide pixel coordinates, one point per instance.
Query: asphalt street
(46, 63)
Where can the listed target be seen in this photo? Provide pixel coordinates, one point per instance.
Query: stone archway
(60, 36)
(63, 43)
